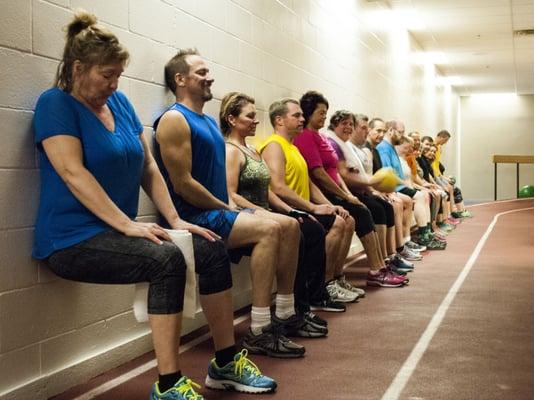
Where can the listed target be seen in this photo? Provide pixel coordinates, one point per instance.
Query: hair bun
(82, 20)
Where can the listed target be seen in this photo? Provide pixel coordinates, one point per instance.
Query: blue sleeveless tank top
(208, 162)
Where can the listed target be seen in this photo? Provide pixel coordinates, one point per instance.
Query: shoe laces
(187, 390)
(244, 364)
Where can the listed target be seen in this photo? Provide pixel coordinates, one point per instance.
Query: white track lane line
(403, 376)
(145, 367)
(499, 202)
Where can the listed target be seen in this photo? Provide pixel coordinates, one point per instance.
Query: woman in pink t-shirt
(322, 163)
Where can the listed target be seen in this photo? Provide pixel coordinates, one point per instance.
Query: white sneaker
(345, 284)
(410, 255)
(337, 293)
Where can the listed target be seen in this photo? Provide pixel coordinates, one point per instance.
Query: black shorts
(325, 220)
(409, 191)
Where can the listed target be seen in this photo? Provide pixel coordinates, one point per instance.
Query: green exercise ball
(527, 191)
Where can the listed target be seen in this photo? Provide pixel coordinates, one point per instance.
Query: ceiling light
(451, 80)
(430, 57)
(410, 19)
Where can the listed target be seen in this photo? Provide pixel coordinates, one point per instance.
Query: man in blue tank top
(190, 151)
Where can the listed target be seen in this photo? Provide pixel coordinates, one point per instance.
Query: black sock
(224, 356)
(399, 249)
(167, 381)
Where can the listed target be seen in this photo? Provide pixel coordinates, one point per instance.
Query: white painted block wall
(54, 333)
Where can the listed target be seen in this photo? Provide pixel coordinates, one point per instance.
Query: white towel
(352, 160)
(184, 240)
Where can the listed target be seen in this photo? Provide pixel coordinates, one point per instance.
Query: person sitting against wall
(322, 162)
(428, 155)
(458, 210)
(390, 158)
(405, 149)
(290, 182)
(248, 186)
(94, 157)
(438, 195)
(367, 142)
(190, 152)
(352, 172)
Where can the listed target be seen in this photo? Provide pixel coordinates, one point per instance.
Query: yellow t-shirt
(435, 163)
(297, 177)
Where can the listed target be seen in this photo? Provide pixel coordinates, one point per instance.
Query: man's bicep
(275, 159)
(174, 139)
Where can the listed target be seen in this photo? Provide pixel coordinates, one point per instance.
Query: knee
(212, 265)
(168, 264)
(291, 226)
(350, 224)
(271, 230)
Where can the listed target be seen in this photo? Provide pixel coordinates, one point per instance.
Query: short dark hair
(427, 139)
(178, 65)
(340, 116)
(279, 108)
(373, 122)
(309, 102)
(444, 134)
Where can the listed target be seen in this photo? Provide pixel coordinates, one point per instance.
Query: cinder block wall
(53, 333)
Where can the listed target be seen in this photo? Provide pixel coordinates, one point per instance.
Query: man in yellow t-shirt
(291, 182)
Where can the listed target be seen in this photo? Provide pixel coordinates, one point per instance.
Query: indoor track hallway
(463, 329)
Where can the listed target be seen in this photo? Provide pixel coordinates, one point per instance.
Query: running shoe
(328, 305)
(453, 221)
(446, 227)
(272, 343)
(414, 246)
(311, 317)
(345, 284)
(241, 375)
(337, 293)
(385, 278)
(184, 389)
(299, 326)
(410, 255)
(466, 214)
(399, 264)
(433, 244)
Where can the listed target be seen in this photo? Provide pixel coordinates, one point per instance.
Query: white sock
(285, 305)
(260, 317)
(407, 239)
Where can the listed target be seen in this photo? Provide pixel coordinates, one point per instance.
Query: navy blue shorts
(219, 221)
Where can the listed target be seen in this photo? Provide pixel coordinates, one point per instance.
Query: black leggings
(381, 210)
(113, 258)
(364, 220)
(309, 280)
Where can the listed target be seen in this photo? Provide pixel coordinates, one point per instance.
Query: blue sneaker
(184, 389)
(241, 375)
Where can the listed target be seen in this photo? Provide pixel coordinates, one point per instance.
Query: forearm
(317, 196)
(88, 191)
(196, 194)
(327, 183)
(291, 198)
(155, 187)
(242, 202)
(277, 203)
(354, 183)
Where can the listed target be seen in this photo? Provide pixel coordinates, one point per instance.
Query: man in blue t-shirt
(190, 150)
(389, 158)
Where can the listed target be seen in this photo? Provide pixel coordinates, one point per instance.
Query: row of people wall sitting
(94, 158)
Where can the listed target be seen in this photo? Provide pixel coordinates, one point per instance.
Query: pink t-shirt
(317, 152)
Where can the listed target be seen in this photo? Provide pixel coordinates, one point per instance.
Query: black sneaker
(298, 326)
(398, 264)
(328, 305)
(272, 343)
(315, 319)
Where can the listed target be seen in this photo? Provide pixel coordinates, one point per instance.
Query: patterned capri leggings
(113, 258)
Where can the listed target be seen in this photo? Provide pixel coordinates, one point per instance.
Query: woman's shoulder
(53, 96)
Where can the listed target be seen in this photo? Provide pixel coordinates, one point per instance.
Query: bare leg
(333, 241)
(288, 252)
(264, 235)
(219, 312)
(381, 232)
(345, 246)
(370, 244)
(166, 338)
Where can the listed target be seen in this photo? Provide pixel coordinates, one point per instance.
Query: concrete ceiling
(477, 38)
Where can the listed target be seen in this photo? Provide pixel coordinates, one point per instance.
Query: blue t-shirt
(208, 159)
(390, 158)
(114, 158)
